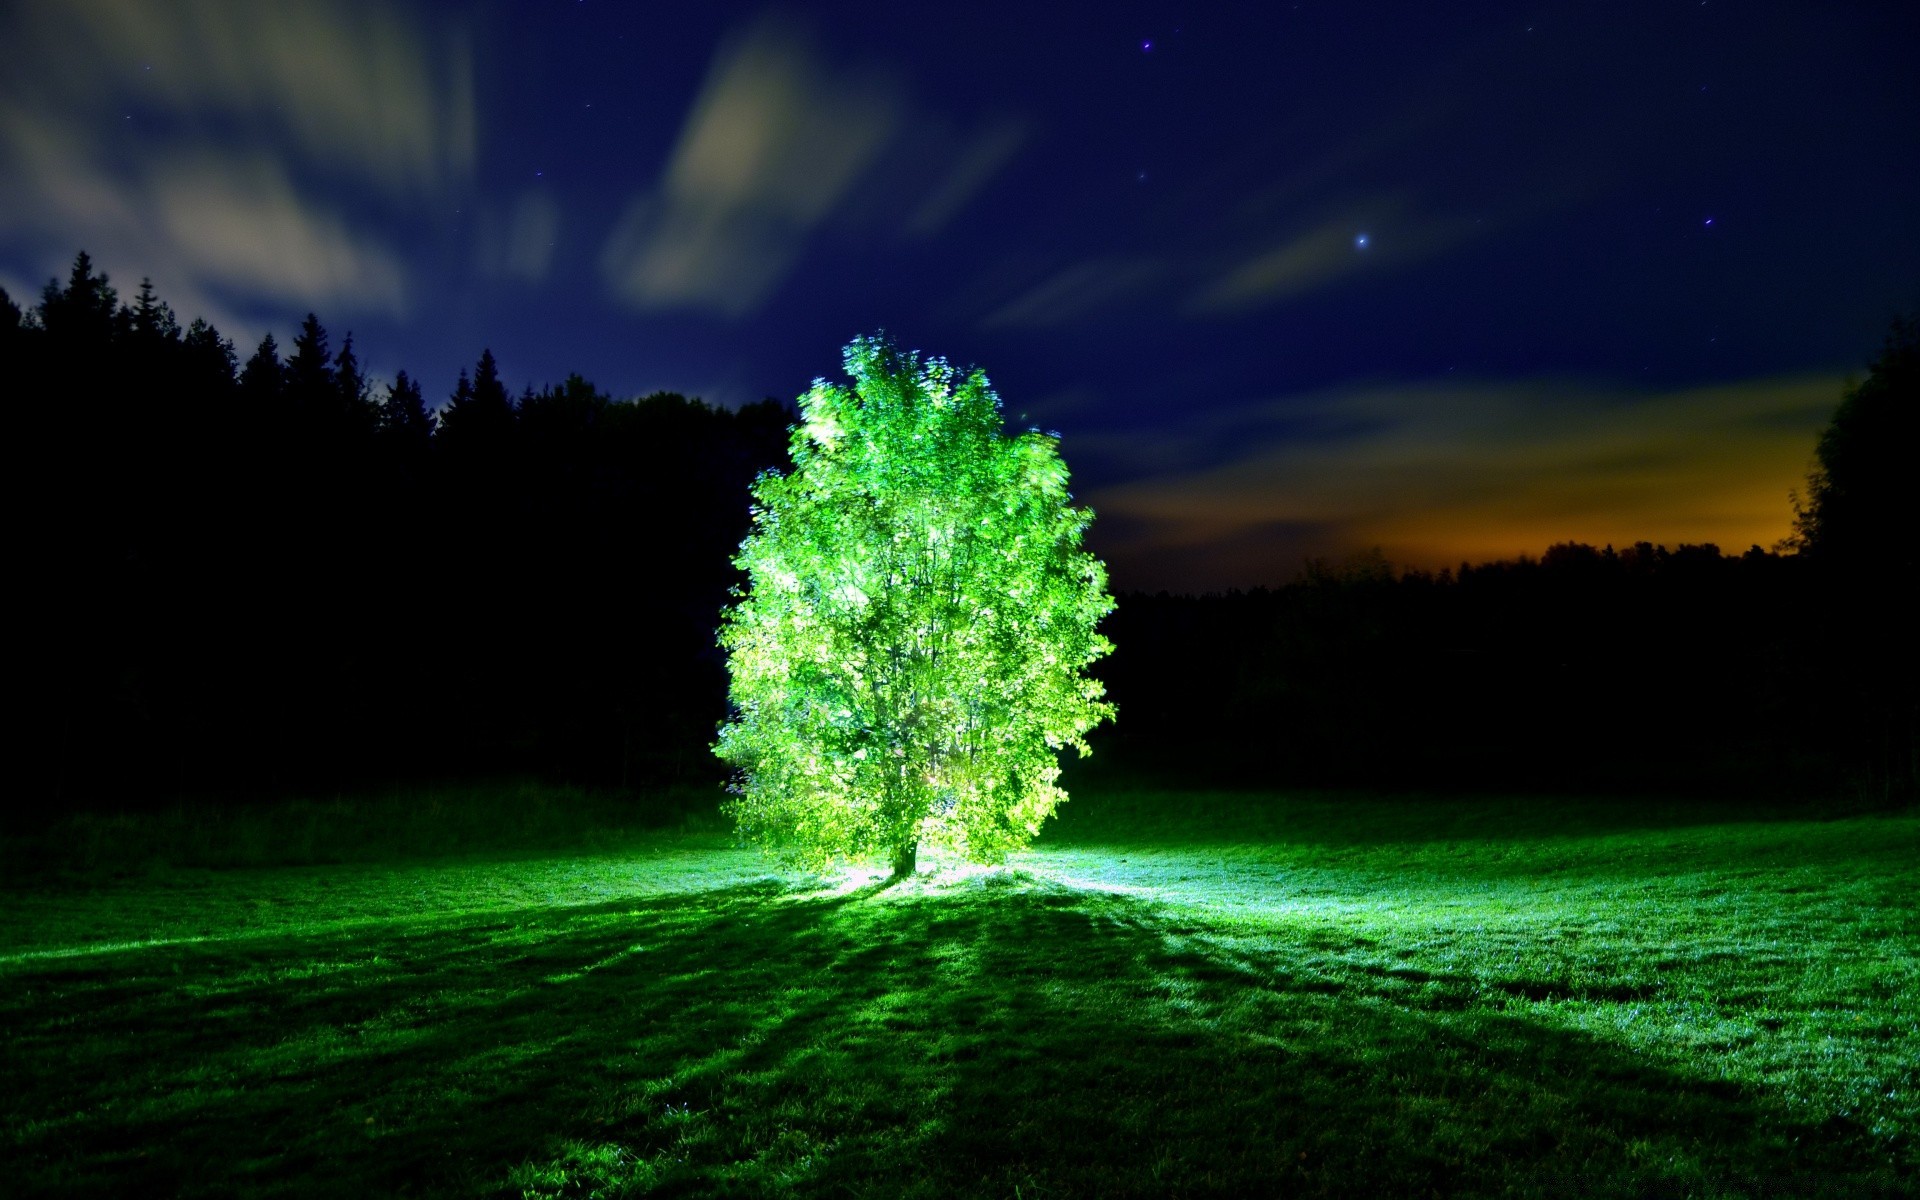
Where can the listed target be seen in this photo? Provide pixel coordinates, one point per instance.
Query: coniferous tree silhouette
(311, 386)
(212, 356)
(479, 416)
(489, 393)
(10, 319)
(460, 399)
(404, 418)
(264, 378)
(82, 315)
(480, 497)
(153, 318)
(357, 412)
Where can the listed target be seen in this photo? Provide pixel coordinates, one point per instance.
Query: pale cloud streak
(197, 141)
(54, 179)
(1435, 475)
(243, 227)
(1077, 291)
(1323, 254)
(1274, 220)
(352, 86)
(779, 145)
(772, 144)
(521, 244)
(968, 167)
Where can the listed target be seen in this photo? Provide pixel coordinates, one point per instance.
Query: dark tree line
(1583, 668)
(277, 575)
(247, 578)
(1796, 669)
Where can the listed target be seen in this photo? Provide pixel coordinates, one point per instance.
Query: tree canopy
(907, 657)
(1860, 508)
(1857, 528)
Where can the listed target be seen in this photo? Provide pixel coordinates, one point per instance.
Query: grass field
(1206, 994)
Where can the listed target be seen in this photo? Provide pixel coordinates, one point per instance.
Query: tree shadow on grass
(972, 1039)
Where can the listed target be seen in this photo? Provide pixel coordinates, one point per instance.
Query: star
(1361, 241)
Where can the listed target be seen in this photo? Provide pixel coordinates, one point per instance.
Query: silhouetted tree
(460, 400)
(1859, 527)
(152, 318)
(356, 410)
(311, 386)
(479, 415)
(84, 309)
(264, 377)
(489, 394)
(404, 416)
(1861, 507)
(212, 355)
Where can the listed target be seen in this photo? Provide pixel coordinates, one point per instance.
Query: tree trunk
(904, 859)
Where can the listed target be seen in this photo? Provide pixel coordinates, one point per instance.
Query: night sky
(1456, 280)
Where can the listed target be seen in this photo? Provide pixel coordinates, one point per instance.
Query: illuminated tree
(907, 657)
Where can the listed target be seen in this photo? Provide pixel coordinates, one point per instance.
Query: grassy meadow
(1172, 994)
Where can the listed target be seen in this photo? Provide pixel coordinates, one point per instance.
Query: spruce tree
(264, 377)
(404, 416)
(479, 416)
(356, 406)
(310, 380)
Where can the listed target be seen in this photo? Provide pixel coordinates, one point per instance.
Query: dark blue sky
(1454, 280)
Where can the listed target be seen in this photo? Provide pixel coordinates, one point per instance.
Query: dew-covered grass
(1172, 994)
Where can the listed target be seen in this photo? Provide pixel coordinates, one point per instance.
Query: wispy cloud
(244, 227)
(778, 145)
(966, 165)
(351, 86)
(54, 178)
(1278, 214)
(1363, 239)
(1078, 291)
(521, 243)
(1435, 475)
(200, 141)
(772, 144)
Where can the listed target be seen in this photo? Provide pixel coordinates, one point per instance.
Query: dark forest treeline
(255, 578)
(1642, 668)
(245, 579)
(1583, 668)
